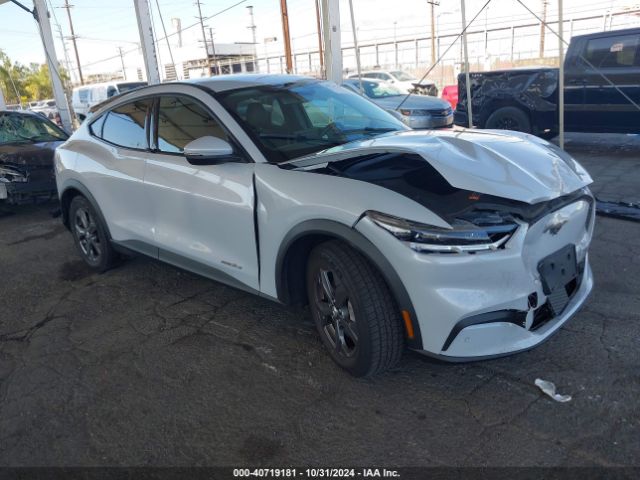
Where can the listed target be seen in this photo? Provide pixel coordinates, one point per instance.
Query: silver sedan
(418, 111)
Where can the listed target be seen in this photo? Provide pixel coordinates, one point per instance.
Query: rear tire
(353, 309)
(509, 118)
(90, 235)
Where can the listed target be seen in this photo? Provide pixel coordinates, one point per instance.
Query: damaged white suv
(460, 244)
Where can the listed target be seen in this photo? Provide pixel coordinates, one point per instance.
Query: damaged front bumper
(490, 304)
(20, 185)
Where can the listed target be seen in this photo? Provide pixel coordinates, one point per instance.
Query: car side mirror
(208, 151)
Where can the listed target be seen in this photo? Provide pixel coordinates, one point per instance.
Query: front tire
(353, 309)
(90, 235)
(509, 118)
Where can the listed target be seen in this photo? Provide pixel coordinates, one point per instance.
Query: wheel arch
(294, 251)
(72, 188)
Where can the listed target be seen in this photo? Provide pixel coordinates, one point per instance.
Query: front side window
(302, 118)
(613, 52)
(125, 125)
(181, 120)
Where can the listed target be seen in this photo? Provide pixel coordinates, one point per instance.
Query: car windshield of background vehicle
(379, 89)
(288, 122)
(402, 76)
(18, 128)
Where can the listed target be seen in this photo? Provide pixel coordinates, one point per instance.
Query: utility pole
(542, 26)
(213, 51)
(285, 34)
(319, 37)
(466, 63)
(42, 17)
(560, 75)
(67, 62)
(73, 38)
(433, 4)
(252, 27)
(331, 40)
(147, 40)
(204, 35)
(124, 70)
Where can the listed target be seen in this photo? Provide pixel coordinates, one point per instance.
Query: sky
(103, 26)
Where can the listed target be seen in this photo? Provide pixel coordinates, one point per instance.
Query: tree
(24, 84)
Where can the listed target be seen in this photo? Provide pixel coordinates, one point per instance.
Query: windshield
(19, 128)
(377, 89)
(402, 76)
(302, 118)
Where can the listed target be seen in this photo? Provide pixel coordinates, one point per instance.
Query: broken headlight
(8, 174)
(482, 231)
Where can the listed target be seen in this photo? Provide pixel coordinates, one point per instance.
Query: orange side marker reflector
(407, 324)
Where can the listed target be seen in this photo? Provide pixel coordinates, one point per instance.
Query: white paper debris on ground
(550, 389)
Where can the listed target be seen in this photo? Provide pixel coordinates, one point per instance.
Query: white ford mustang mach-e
(460, 244)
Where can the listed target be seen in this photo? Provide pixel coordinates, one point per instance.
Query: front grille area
(440, 112)
(545, 313)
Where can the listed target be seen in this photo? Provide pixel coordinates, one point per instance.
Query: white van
(87, 96)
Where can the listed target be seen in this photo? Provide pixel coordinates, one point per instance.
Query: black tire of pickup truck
(509, 118)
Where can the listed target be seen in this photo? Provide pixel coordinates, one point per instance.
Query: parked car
(83, 98)
(403, 80)
(527, 99)
(27, 143)
(450, 94)
(48, 109)
(417, 111)
(460, 244)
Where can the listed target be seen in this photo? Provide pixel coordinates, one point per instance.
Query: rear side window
(125, 125)
(613, 52)
(181, 120)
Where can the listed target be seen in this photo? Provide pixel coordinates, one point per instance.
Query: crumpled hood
(510, 165)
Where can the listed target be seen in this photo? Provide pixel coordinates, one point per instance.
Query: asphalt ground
(150, 365)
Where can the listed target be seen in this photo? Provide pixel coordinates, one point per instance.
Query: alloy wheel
(336, 313)
(87, 234)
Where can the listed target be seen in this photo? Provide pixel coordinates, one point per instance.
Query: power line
(204, 36)
(165, 35)
(171, 34)
(463, 32)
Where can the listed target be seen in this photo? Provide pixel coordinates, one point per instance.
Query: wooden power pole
(285, 34)
(73, 39)
(433, 4)
(543, 27)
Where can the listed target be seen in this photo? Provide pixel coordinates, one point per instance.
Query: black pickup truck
(527, 99)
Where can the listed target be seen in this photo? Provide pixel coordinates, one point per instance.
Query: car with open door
(458, 244)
